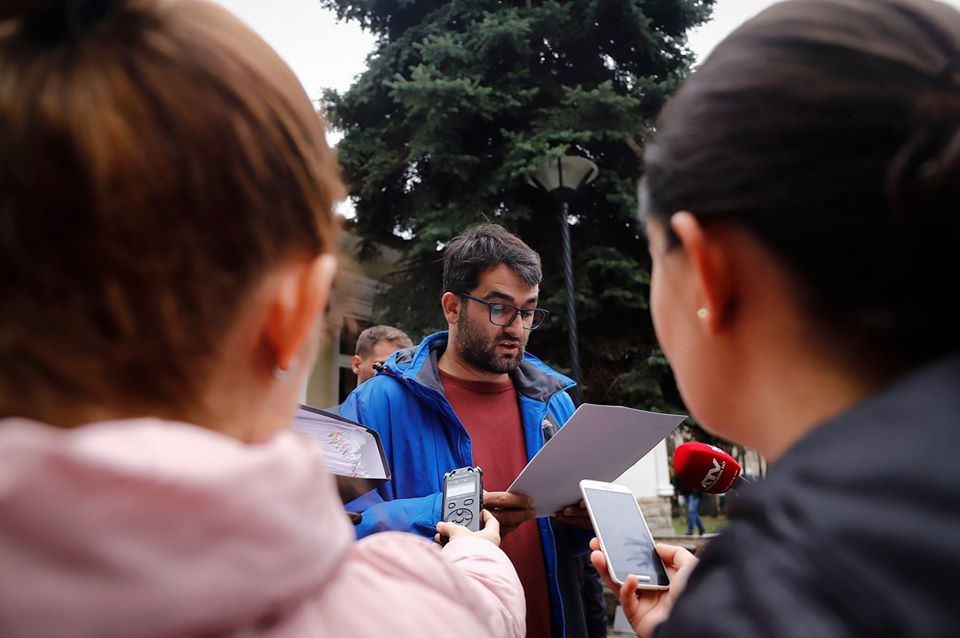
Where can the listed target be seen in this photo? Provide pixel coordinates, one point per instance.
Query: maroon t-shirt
(491, 413)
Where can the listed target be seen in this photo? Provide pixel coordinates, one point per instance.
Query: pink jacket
(153, 528)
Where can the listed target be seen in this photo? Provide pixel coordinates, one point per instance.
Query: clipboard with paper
(353, 452)
(599, 442)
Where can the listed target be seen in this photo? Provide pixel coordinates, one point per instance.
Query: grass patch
(712, 523)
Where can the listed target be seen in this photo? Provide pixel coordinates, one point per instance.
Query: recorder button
(460, 517)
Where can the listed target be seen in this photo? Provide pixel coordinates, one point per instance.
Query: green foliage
(461, 100)
(714, 523)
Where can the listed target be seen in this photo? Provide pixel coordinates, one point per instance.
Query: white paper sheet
(349, 448)
(599, 442)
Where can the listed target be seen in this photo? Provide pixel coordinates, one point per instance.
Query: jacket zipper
(553, 542)
(556, 579)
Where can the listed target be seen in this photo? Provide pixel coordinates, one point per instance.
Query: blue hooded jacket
(423, 438)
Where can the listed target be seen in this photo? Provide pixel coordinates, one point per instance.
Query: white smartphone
(625, 539)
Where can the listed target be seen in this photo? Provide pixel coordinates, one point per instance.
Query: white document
(599, 442)
(350, 449)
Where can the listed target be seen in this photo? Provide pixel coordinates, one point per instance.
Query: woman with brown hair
(801, 200)
(166, 234)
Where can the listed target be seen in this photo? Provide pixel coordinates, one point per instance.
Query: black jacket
(855, 532)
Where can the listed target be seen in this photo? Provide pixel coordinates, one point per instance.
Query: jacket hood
(533, 378)
(124, 527)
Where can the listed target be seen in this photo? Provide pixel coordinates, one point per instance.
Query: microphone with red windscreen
(706, 468)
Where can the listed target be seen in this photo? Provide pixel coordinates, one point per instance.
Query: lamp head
(564, 175)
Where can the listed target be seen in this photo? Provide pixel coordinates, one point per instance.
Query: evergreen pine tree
(461, 100)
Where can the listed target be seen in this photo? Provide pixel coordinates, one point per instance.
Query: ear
(450, 302)
(356, 361)
(710, 260)
(296, 306)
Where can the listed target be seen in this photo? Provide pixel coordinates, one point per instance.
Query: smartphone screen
(625, 538)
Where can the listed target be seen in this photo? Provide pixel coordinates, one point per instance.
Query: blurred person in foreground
(801, 198)
(166, 228)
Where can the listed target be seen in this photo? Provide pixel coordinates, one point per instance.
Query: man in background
(374, 345)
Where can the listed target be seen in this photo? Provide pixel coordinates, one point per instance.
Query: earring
(281, 373)
(702, 313)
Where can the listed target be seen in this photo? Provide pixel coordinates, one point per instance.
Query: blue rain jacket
(423, 438)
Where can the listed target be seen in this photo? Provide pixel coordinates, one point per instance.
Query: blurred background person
(692, 497)
(374, 345)
(166, 234)
(801, 201)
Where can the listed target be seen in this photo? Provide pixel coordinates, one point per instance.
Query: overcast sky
(326, 53)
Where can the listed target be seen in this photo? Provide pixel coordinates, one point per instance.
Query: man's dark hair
(375, 334)
(483, 247)
(830, 130)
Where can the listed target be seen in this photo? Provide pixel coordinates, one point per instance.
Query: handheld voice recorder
(463, 497)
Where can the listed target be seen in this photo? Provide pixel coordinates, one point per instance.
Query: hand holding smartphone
(624, 537)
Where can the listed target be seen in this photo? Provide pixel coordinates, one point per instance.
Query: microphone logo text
(713, 474)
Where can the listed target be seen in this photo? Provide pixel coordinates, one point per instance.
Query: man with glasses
(473, 396)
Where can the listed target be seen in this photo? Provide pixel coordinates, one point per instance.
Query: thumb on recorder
(490, 529)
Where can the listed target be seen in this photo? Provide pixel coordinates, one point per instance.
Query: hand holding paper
(510, 509)
(575, 515)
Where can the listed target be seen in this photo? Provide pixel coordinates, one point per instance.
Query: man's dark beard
(479, 352)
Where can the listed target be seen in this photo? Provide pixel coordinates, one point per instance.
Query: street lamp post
(562, 178)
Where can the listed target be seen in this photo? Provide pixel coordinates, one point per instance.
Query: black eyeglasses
(503, 314)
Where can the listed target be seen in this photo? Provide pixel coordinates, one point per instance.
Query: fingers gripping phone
(463, 497)
(624, 537)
